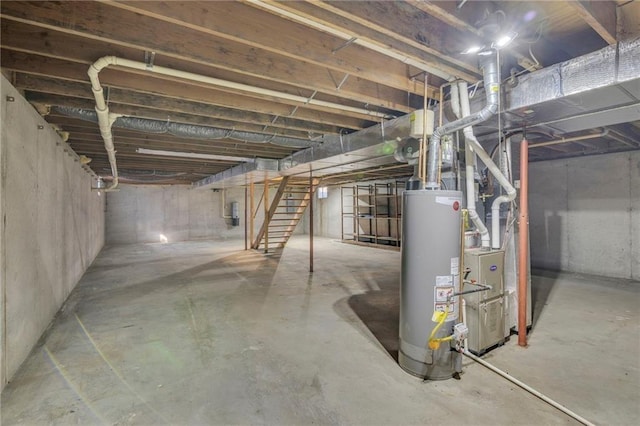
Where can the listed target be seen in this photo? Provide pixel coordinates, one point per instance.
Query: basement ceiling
(349, 65)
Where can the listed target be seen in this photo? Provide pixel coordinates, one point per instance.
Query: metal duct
(539, 100)
(599, 89)
(492, 86)
(185, 130)
(370, 147)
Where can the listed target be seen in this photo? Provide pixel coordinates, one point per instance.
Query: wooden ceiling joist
(295, 41)
(121, 27)
(170, 87)
(600, 15)
(133, 98)
(396, 25)
(265, 60)
(35, 39)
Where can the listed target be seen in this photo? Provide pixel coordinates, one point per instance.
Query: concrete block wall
(141, 213)
(585, 215)
(52, 227)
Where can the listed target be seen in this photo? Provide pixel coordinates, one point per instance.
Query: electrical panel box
(417, 119)
(485, 310)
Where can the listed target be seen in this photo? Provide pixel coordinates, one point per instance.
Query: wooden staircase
(284, 213)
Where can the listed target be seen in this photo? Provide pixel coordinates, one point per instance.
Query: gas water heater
(429, 278)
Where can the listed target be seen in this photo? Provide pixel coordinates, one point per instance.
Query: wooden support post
(266, 216)
(246, 191)
(252, 208)
(310, 222)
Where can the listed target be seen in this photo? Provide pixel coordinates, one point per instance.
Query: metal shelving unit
(371, 214)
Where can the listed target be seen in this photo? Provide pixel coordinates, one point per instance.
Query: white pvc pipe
(516, 381)
(493, 168)
(529, 389)
(469, 159)
(126, 63)
(105, 118)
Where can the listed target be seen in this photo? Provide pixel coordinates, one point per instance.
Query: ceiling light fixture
(500, 42)
(473, 50)
(504, 40)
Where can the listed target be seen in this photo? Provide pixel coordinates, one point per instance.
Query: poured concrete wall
(141, 213)
(52, 230)
(585, 215)
(327, 214)
(329, 217)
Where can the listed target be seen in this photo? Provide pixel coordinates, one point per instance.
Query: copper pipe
(522, 243)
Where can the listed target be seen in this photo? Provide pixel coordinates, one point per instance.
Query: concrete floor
(206, 333)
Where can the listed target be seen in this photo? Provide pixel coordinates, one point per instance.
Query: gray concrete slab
(206, 333)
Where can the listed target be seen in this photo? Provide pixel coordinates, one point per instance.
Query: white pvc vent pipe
(493, 168)
(141, 66)
(469, 154)
(105, 119)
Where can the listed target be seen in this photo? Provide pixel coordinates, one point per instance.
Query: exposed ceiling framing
(369, 55)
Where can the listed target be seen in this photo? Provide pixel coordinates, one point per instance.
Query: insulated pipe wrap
(185, 130)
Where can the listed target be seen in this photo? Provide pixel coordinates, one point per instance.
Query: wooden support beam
(417, 35)
(444, 11)
(628, 20)
(294, 40)
(312, 186)
(251, 210)
(267, 219)
(600, 15)
(246, 191)
(119, 29)
(403, 50)
(177, 89)
(27, 38)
